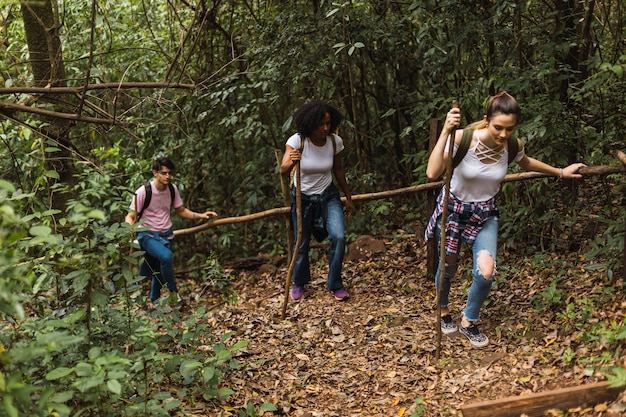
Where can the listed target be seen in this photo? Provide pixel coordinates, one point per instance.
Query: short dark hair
(163, 162)
(308, 117)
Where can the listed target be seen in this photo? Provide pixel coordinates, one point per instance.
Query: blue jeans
(336, 234)
(487, 240)
(158, 262)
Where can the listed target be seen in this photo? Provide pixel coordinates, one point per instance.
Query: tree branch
(593, 170)
(89, 87)
(10, 108)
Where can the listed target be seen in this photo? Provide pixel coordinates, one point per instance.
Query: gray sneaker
(474, 335)
(447, 324)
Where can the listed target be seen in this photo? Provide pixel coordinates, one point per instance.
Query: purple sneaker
(341, 294)
(297, 292)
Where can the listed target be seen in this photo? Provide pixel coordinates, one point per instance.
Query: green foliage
(617, 377)
(14, 273)
(390, 68)
(605, 248)
(251, 410)
(550, 297)
(377, 215)
(591, 335)
(213, 274)
(568, 356)
(420, 409)
(71, 341)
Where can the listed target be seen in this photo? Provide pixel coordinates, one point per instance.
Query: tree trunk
(44, 44)
(46, 59)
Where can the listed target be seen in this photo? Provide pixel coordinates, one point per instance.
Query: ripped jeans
(486, 243)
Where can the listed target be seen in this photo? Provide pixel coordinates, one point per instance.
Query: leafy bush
(71, 341)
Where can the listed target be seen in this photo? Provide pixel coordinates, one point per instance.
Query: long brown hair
(502, 103)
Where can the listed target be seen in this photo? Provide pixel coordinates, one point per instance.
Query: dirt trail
(374, 354)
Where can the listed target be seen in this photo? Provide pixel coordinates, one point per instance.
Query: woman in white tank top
(472, 208)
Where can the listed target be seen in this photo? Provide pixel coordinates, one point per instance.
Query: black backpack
(467, 139)
(146, 202)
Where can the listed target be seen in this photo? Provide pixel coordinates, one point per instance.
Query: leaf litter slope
(374, 354)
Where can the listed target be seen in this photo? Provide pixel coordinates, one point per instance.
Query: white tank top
(480, 173)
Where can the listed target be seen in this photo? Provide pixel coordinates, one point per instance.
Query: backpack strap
(332, 138)
(146, 201)
(172, 193)
(463, 147)
(467, 139)
(513, 148)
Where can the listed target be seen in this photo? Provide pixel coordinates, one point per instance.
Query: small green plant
(568, 356)
(213, 273)
(616, 377)
(378, 210)
(553, 296)
(420, 408)
(251, 410)
(576, 316)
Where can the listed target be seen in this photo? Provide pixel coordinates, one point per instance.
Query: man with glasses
(156, 200)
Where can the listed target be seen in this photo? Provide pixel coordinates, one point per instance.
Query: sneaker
(180, 303)
(341, 294)
(297, 292)
(474, 335)
(447, 324)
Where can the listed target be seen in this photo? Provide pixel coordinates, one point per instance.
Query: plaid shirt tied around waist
(465, 220)
(315, 211)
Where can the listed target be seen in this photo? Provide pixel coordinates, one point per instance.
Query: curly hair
(308, 117)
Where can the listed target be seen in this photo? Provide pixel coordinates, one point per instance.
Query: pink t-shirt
(157, 214)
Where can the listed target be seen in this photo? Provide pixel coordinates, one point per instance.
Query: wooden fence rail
(538, 404)
(594, 170)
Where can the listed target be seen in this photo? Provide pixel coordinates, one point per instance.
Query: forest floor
(375, 354)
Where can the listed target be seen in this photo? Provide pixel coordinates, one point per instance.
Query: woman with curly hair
(318, 148)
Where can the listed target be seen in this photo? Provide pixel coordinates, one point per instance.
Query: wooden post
(622, 157)
(287, 202)
(294, 255)
(432, 257)
(442, 234)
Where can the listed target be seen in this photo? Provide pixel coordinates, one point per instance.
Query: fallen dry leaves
(374, 354)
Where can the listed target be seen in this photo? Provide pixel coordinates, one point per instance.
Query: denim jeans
(336, 234)
(158, 262)
(487, 240)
